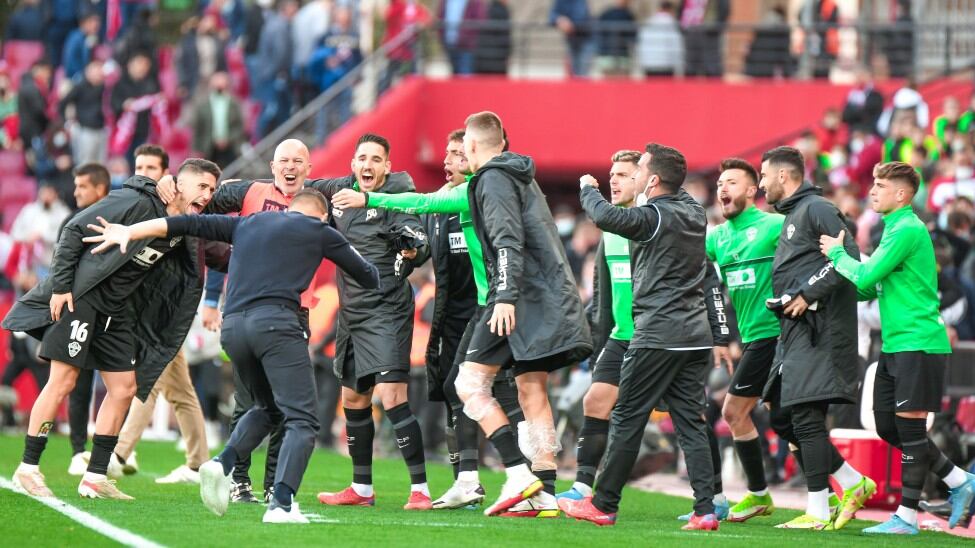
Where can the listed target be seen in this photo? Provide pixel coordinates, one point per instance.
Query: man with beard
(531, 286)
(375, 326)
(451, 203)
(816, 358)
(666, 232)
(105, 313)
(902, 275)
(743, 248)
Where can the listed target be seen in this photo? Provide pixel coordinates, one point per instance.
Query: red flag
(113, 17)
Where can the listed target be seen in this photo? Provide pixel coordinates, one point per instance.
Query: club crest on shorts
(73, 348)
(175, 241)
(790, 231)
(371, 214)
(751, 234)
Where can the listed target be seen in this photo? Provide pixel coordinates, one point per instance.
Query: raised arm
(632, 223)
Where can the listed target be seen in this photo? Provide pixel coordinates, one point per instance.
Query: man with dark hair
(743, 248)
(903, 276)
(375, 326)
(815, 364)
(105, 313)
(91, 183)
(151, 161)
(531, 286)
(666, 233)
(446, 351)
(263, 334)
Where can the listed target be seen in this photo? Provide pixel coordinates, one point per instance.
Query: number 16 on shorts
(79, 334)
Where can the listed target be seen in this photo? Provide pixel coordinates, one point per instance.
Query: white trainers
(79, 464)
(515, 490)
(541, 505)
(183, 474)
(31, 481)
(101, 488)
(277, 514)
(116, 469)
(460, 495)
(215, 487)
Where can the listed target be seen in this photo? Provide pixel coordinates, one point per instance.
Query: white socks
(362, 489)
(906, 514)
(93, 477)
(761, 493)
(520, 471)
(420, 488)
(818, 505)
(29, 468)
(956, 478)
(469, 476)
(847, 476)
(586, 490)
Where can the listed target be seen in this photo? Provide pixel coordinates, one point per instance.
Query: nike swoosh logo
(900, 403)
(739, 387)
(469, 352)
(383, 372)
(133, 362)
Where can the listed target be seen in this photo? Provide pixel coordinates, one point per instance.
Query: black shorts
(88, 339)
(909, 381)
(367, 382)
(607, 365)
(487, 348)
(751, 374)
(438, 366)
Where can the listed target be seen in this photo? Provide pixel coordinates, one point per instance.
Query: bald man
(289, 169)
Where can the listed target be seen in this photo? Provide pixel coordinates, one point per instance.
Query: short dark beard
(741, 204)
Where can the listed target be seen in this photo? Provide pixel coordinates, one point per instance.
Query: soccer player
(105, 313)
(452, 200)
(92, 182)
(902, 275)
(263, 333)
(533, 321)
(375, 326)
(816, 361)
(666, 233)
(743, 248)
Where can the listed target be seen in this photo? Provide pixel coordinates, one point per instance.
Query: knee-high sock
(360, 431)
(409, 439)
(589, 451)
(914, 459)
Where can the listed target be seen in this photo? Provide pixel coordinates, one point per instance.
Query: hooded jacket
(164, 304)
(818, 350)
(526, 261)
(377, 235)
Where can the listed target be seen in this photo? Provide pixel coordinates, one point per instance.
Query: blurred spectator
(80, 45)
(948, 120)
(310, 23)
(37, 225)
(336, 56)
(132, 11)
(703, 23)
(830, 133)
(32, 113)
(615, 39)
(824, 42)
(61, 18)
(769, 54)
(274, 53)
(864, 104)
(139, 38)
(200, 55)
(135, 98)
(402, 16)
(119, 170)
(494, 40)
(233, 14)
(573, 19)
(218, 123)
(461, 24)
(966, 123)
(254, 17)
(866, 150)
(8, 112)
(661, 45)
(907, 100)
(899, 42)
(26, 22)
(86, 119)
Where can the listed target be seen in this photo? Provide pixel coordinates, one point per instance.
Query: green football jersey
(617, 249)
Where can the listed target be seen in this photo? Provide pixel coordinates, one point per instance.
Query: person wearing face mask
(375, 329)
(816, 360)
(218, 123)
(89, 140)
(667, 249)
(902, 275)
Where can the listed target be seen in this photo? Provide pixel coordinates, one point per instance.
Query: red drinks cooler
(873, 457)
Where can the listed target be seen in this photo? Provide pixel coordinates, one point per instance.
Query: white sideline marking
(96, 524)
(318, 518)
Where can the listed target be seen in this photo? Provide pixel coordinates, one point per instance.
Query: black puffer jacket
(818, 350)
(163, 305)
(526, 261)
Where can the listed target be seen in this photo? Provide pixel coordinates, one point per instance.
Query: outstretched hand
(109, 235)
(349, 199)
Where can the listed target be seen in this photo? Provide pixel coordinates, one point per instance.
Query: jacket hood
(397, 182)
(804, 190)
(522, 168)
(142, 184)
